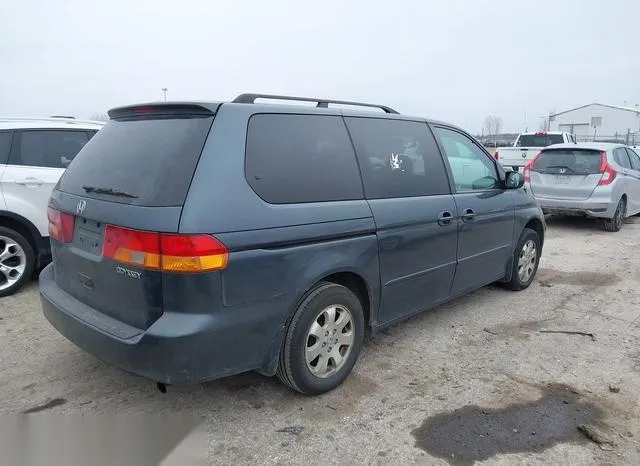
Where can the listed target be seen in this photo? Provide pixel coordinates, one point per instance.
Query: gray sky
(452, 60)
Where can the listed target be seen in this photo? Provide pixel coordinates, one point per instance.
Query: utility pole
(164, 93)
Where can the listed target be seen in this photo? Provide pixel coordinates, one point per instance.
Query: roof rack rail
(63, 116)
(323, 103)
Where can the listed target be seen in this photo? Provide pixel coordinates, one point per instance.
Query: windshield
(568, 162)
(146, 162)
(539, 140)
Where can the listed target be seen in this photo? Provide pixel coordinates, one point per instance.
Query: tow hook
(162, 387)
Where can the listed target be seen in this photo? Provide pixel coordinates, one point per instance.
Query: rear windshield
(539, 140)
(145, 162)
(568, 162)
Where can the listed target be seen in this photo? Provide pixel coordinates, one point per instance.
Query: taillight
(61, 225)
(496, 155)
(528, 167)
(192, 253)
(167, 252)
(608, 172)
(139, 248)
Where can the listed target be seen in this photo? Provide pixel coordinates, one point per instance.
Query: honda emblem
(80, 207)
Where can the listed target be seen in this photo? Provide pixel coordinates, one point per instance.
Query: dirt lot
(476, 380)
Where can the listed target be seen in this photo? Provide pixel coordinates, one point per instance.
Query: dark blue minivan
(193, 241)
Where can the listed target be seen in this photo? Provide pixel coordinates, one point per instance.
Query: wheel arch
(346, 277)
(536, 225)
(23, 226)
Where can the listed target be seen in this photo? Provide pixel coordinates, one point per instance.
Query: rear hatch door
(571, 174)
(127, 185)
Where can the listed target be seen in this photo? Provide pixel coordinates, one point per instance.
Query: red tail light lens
(496, 155)
(167, 252)
(139, 248)
(61, 225)
(528, 167)
(608, 172)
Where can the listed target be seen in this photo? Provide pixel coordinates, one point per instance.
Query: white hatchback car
(33, 155)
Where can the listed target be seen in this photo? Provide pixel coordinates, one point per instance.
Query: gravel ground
(474, 380)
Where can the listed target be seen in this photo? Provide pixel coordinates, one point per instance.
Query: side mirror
(515, 180)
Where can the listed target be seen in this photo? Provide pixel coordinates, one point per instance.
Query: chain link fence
(629, 138)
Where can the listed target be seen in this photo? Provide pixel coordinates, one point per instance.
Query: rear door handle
(30, 181)
(469, 215)
(445, 218)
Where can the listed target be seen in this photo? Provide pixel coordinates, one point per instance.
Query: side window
(48, 148)
(472, 169)
(5, 145)
(398, 158)
(635, 159)
(620, 156)
(301, 158)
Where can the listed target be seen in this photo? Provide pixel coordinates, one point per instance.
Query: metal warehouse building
(599, 122)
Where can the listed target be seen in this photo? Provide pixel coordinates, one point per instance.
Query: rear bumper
(587, 207)
(518, 165)
(179, 348)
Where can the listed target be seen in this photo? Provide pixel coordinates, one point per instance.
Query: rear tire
(615, 223)
(323, 340)
(17, 261)
(526, 258)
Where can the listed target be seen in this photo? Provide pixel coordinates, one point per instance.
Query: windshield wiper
(109, 191)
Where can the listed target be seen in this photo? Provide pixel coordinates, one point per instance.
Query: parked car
(193, 241)
(33, 155)
(527, 146)
(599, 180)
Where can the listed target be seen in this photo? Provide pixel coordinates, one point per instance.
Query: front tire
(526, 258)
(615, 224)
(17, 261)
(323, 340)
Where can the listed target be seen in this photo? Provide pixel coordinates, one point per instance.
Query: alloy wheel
(527, 260)
(13, 262)
(329, 341)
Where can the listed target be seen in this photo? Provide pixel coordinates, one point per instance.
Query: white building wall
(613, 120)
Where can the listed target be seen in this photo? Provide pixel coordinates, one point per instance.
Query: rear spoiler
(163, 110)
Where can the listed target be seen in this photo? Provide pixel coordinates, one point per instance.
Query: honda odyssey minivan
(193, 241)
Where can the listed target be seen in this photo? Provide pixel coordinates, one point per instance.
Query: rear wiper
(110, 191)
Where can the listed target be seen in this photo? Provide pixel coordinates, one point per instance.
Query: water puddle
(474, 433)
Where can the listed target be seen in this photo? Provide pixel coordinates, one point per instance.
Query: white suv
(33, 155)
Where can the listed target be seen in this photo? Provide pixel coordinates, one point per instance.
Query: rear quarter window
(621, 157)
(47, 148)
(635, 159)
(294, 159)
(5, 145)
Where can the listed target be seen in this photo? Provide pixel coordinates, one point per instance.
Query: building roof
(619, 107)
(48, 123)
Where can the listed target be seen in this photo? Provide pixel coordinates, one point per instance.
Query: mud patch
(550, 277)
(48, 405)
(474, 433)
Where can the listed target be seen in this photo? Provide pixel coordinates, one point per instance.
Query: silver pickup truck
(527, 146)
